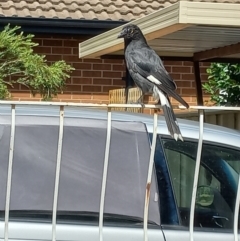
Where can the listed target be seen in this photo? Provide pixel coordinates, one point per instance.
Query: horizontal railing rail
(108, 107)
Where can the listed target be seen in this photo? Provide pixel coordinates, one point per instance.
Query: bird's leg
(139, 101)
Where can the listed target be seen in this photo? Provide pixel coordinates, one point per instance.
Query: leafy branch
(29, 69)
(224, 83)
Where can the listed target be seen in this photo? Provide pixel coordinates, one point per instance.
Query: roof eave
(165, 21)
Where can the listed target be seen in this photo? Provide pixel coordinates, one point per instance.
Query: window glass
(217, 183)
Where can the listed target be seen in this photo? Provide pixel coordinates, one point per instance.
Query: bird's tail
(170, 117)
(176, 96)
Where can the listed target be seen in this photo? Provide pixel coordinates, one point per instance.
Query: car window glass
(217, 182)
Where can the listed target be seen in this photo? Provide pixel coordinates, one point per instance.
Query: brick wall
(93, 78)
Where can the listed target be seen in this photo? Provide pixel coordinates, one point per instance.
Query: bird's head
(130, 32)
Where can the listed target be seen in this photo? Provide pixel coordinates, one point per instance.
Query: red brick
(30, 99)
(68, 81)
(100, 96)
(82, 66)
(102, 81)
(15, 86)
(92, 88)
(74, 88)
(188, 77)
(171, 63)
(20, 94)
(76, 73)
(61, 50)
(92, 60)
(52, 42)
(168, 68)
(183, 69)
(205, 64)
(64, 96)
(204, 77)
(110, 61)
(175, 76)
(23, 87)
(119, 67)
(188, 91)
(188, 63)
(118, 82)
(71, 58)
(81, 96)
(203, 70)
(82, 81)
(112, 74)
(38, 41)
(42, 50)
(53, 57)
(71, 43)
(102, 66)
(75, 51)
(87, 101)
(184, 84)
(92, 74)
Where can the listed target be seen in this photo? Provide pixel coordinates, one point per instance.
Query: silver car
(41, 210)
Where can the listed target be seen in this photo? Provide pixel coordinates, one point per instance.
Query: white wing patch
(154, 80)
(163, 99)
(159, 95)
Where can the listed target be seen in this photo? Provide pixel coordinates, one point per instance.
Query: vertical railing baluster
(196, 173)
(149, 177)
(105, 170)
(57, 177)
(9, 176)
(236, 212)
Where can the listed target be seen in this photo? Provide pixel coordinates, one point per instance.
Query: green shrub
(223, 84)
(19, 64)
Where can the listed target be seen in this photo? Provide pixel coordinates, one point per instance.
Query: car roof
(189, 128)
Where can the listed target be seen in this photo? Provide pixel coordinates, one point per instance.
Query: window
(217, 184)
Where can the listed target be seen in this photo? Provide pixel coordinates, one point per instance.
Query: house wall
(93, 78)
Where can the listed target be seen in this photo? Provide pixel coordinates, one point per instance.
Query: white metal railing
(196, 173)
(61, 106)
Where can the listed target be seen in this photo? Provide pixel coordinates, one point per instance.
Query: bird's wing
(146, 62)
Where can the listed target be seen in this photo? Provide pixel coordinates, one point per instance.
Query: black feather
(149, 74)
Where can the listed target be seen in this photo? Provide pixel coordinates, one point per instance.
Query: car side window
(217, 183)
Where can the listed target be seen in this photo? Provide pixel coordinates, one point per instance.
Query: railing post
(149, 177)
(196, 173)
(236, 212)
(9, 176)
(105, 170)
(57, 177)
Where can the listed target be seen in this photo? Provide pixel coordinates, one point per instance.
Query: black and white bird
(149, 74)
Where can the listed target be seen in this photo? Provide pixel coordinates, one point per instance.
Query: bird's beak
(122, 34)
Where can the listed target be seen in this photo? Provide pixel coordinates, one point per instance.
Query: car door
(216, 193)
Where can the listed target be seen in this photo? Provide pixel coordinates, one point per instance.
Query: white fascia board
(206, 13)
(108, 42)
